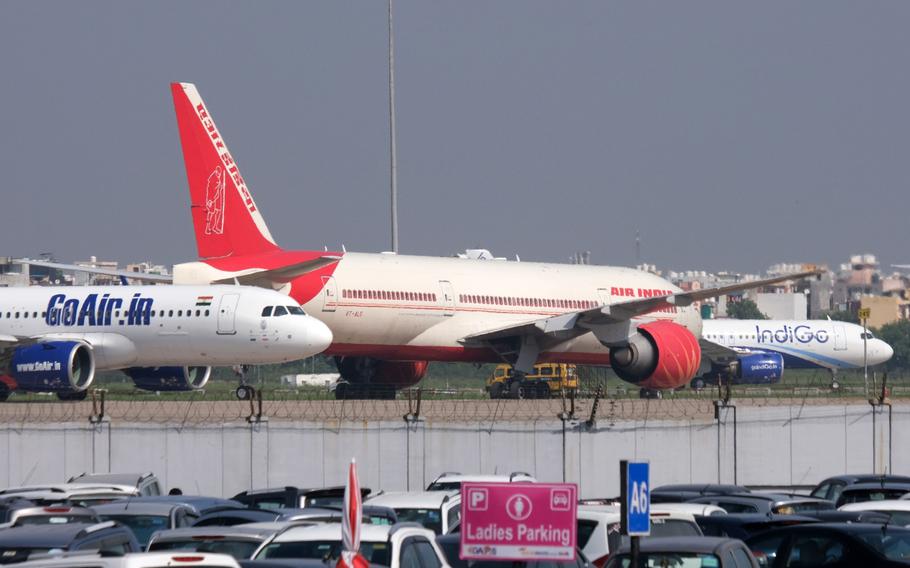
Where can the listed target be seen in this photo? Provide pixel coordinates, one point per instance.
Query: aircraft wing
(143, 276)
(265, 278)
(717, 352)
(610, 322)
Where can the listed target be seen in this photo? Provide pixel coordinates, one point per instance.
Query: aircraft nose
(885, 351)
(319, 336)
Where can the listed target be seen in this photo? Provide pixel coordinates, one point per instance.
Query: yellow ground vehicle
(545, 381)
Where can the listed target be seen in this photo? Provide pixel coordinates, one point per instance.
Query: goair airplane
(391, 314)
(758, 351)
(166, 338)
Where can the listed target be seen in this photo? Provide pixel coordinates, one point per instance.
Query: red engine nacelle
(400, 374)
(662, 355)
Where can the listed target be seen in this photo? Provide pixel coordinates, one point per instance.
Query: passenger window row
(116, 314)
(527, 302)
(389, 295)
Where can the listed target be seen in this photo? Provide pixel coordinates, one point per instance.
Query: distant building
(783, 306)
(884, 309)
(13, 273)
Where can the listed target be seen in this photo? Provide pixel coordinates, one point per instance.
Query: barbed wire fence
(600, 398)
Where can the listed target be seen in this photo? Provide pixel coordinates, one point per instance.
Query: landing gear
(834, 384)
(698, 383)
(356, 391)
(245, 392)
(78, 395)
(650, 393)
(497, 390)
(4, 392)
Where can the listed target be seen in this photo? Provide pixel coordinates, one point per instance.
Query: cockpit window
(866, 335)
(296, 311)
(280, 311)
(267, 311)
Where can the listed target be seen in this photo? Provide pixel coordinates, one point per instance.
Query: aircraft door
(227, 313)
(840, 338)
(605, 298)
(447, 297)
(329, 294)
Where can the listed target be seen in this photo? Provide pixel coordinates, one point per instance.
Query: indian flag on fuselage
(204, 301)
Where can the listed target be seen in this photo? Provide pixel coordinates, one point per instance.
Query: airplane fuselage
(802, 343)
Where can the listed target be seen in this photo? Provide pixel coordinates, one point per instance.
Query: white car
(92, 559)
(694, 509)
(439, 511)
(403, 544)
(450, 481)
(598, 529)
(144, 484)
(899, 509)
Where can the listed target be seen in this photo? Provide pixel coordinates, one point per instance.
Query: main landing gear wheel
(515, 390)
(496, 390)
(650, 393)
(245, 392)
(4, 392)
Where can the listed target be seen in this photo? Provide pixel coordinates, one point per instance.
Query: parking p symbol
(477, 500)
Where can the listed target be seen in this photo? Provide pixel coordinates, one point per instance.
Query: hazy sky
(731, 134)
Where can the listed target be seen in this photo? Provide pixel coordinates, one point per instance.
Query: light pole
(864, 315)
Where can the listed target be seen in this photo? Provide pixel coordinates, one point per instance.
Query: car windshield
(444, 486)
(798, 507)
(673, 527)
(142, 525)
(669, 560)
(374, 552)
(863, 495)
(239, 549)
(892, 545)
(429, 518)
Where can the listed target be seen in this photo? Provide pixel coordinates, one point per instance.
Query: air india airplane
(391, 314)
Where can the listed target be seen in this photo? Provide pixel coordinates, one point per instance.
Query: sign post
(635, 504)
(518, 521)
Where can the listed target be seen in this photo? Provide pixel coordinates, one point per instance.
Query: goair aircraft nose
(318, 335)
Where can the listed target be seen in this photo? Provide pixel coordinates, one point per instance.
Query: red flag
(350, 524)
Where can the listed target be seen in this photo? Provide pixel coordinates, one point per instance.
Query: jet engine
(63, 367)
(365, 377)
(660, 355)
(169, 378)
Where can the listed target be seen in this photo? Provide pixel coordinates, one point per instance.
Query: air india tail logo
(214, 202)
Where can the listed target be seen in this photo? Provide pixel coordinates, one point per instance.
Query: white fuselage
(803, 343)
(135, 326)
(398, 307)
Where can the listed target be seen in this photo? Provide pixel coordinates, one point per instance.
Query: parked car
(694, 509)
(19, 543)
(198, 503)
(450, 481)
(92, 559)
(145, 518)
(396, 546)
(688, 551)
(833, 544)
(898, 510)
(144, 484)
(373, 515)
(295, 497)
(439, 511)
(831, 487)
(873, 491)
(82, 494)
(682, 493)
(773, 503)
(240, 541)
(598, 529)
(51, 515)
(838, 516)
(450, 544)
(744, 525)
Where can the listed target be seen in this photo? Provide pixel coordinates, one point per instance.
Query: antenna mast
(392, 148)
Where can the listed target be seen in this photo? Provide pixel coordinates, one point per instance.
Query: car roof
(865, 478)
(368, 533)
(873, 485)
(252, 531)
(482, 478)
(411, 499)
(883, 505)
(131, 479)
(50, 535)
(200, 503)
(838, 527)
(696, 544)
(703, 509)
(704, 488)
(755, 518)
(127, 507)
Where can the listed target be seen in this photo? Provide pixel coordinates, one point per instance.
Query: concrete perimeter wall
(768, 446)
